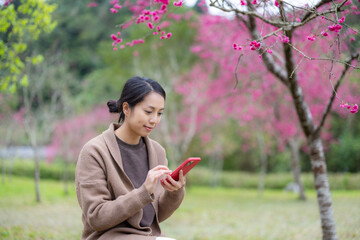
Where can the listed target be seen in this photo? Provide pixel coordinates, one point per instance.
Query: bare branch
(337, 85)
(237, 65)
(314, 9)
(324, 59)
(248, 13)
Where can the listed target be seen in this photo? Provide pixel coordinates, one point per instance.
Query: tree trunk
(322, 187)
(263, 162)
(216, 165)
(37, 174)
(3, 172)
(66, 177)
(295, 167)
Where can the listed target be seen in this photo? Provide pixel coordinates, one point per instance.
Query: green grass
(206, 213)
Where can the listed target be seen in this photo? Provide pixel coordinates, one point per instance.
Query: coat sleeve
(169, 201)
(99, 209)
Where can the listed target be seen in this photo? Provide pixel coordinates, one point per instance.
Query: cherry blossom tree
(276, 32)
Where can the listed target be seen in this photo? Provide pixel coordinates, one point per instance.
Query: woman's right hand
(154, 175)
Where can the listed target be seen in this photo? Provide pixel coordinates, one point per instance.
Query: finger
(172, 182)
(168, 186)
(181, 178)
(158, 174)
(160, 167)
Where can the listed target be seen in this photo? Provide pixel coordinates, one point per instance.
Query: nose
(153, 119)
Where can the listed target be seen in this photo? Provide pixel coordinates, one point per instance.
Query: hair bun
(113, 106)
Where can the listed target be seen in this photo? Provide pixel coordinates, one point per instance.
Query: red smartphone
(186, 166)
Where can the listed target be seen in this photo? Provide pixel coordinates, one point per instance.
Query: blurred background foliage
(78, 54)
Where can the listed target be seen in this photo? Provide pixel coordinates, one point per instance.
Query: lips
(148, 128)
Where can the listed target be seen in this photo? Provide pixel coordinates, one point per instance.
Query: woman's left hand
(171, 185)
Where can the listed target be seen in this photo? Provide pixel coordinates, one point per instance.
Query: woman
(118, 172)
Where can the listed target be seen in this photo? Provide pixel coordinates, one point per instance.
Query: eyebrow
(154, 107)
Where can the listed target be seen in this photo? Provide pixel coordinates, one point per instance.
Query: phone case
(186, 166)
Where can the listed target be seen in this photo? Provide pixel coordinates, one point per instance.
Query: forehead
(153, 100)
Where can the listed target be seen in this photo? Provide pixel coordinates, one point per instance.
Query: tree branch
(268, 60)
(337, 85)
(248, 13)
(314, 9)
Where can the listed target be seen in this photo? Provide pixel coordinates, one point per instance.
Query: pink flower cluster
(7, 2)
(284, 39)
(353, 109)
(115, 7)
(276, 3)
(243, 3)
(311, 38)
(237, 47)
(254, 2)
(92, 4)
(335, 28)
(255, 45)
(163, 33)
(178, 4)
(116, 40)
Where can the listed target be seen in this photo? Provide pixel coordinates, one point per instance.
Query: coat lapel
(110, 139)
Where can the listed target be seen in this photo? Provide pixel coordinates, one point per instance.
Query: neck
(124, 133)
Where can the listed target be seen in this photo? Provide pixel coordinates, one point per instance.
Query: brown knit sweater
(111, 205)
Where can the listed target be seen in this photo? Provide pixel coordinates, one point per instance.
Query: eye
(148, 112)
(160, 113)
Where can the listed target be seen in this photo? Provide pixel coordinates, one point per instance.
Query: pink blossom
(243, 3)
(117, 6)
(235, 46)
(298, 19)
(162, 37)
(341, 20)
(352, 39)
(146, 18)
(260, 56)
(255, 45)
(113, 10)
(178, 4)
(323, 17)
(168, 35)
(353, 111)
(113, 36)
(92, 4)
(150, 25)
(119, 40)
(118, 33)
(276, 3)
(355, 107)
(349, 2)
(284, 39)
(114, 2)
(115, 49)
(311, 38)
(254, 2)
(158, 28)
(324, 33)
(163, 7)
(335, 28)
(269, 51)
(155, 33)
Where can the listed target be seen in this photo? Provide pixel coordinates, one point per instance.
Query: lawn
(206, 213)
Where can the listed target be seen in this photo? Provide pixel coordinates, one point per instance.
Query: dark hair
(134, 91)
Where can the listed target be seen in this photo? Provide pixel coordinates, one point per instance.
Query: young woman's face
(144, 117)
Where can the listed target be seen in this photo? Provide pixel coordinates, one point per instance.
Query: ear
(126, 109)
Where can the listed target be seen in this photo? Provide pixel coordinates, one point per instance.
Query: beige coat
(108, 198)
